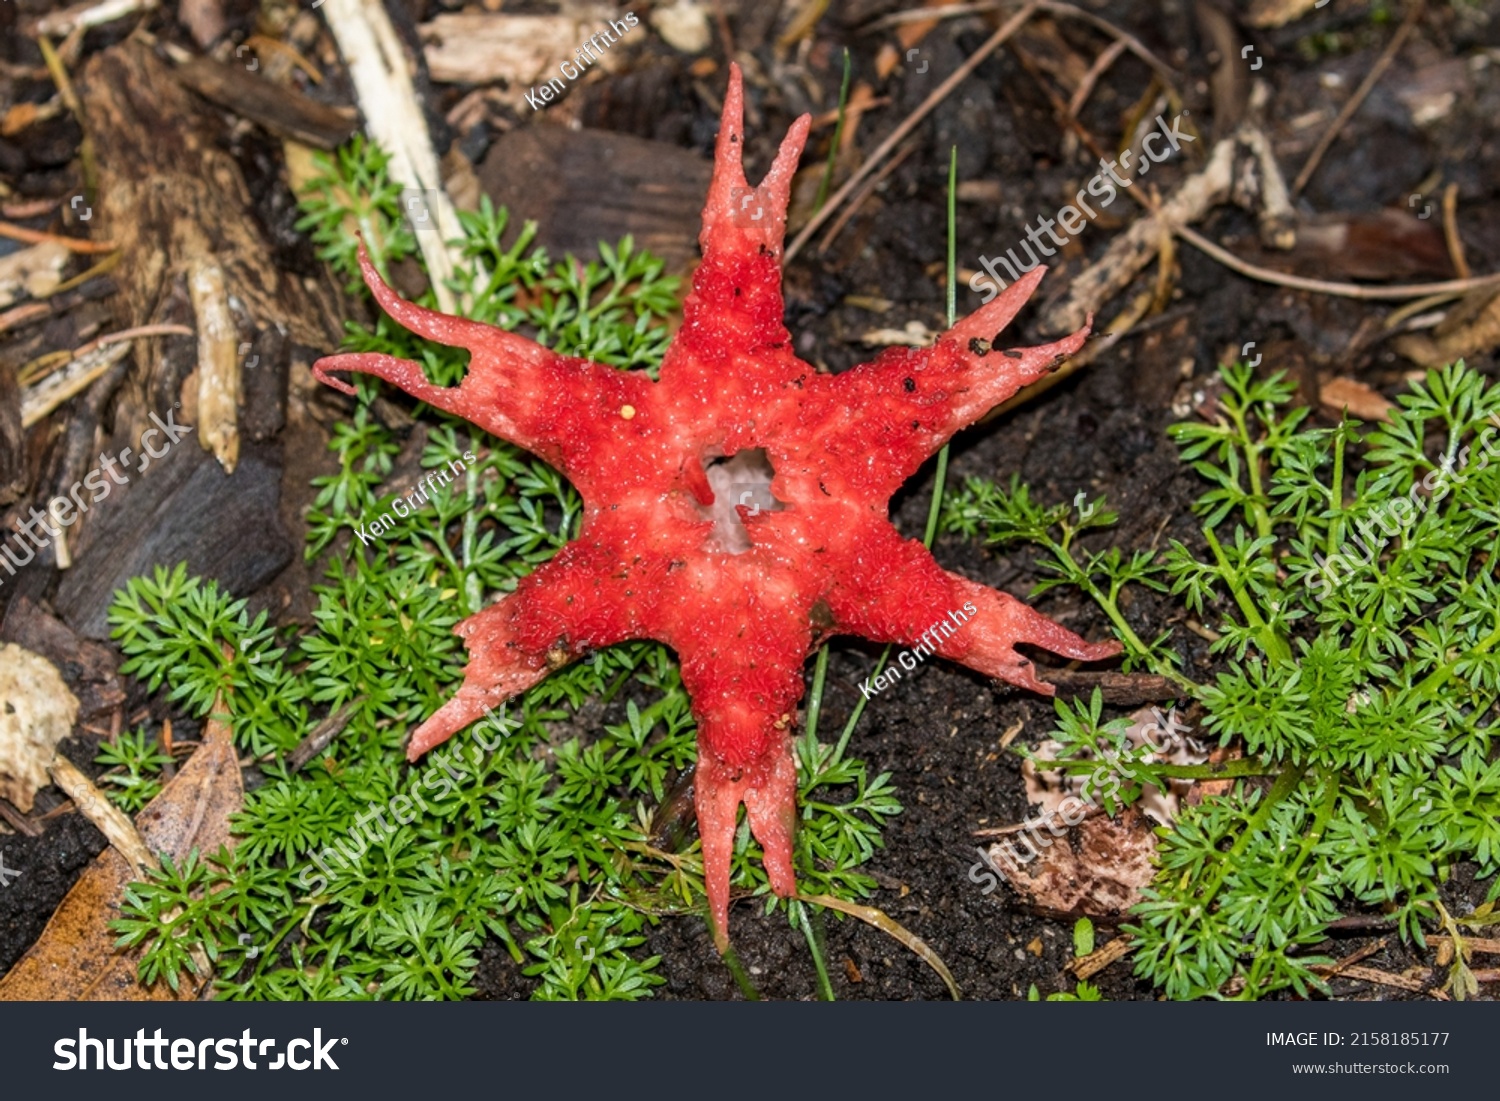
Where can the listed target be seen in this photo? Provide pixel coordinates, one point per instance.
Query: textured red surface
(649, 564)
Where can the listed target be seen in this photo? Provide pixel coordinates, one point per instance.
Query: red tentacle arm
(736, 303)
(567, 608)
(911, 402)
(745, 700)
(913, 602)
(512, 385)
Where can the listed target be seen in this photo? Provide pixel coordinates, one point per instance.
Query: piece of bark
(75, 958)
(88, 667)
(655, 190)
(285, 112)
(182, 509)
(12, 442)
(483, 47)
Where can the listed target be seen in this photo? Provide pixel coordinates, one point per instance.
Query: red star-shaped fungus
(671, 547)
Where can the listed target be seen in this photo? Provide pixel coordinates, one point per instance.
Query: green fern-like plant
(1349, 582)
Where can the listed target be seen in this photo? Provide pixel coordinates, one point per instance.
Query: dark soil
(936, 732)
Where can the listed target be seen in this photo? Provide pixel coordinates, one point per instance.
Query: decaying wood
(89, 668)
(1130, 252)
(183, 509)
(655, 190)
(283, 111)
(483, 47)
(12, 442)
(1127, 689)
(189, 237)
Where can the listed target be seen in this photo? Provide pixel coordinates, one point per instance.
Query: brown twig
(37, 237)
(19, 821)
(1100, 66)
(1387, 55)
(1321, 286)
(1450, 232)
(865, 193)
(322, 734)
(132, 334)
(940, 93)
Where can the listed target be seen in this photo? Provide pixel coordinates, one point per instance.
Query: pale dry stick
(86, 364)
(37, 237)
(1321, 286)
(112, 822)
(1086, 967)
(1387, 55)
(940, 93)
(86, 16)
(934, 15)
(39, 400)
(132, 334)
(1450, 232)
(378, 68)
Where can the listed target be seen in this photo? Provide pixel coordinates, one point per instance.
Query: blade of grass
(838, 132)
(871, 916)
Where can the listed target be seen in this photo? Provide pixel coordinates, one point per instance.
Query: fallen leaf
(1361, 401)
(1103, 878)
(75, 958)
(36, 712)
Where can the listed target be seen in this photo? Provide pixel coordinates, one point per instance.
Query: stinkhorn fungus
(735, 510)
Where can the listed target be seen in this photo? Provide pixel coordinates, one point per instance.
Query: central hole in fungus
(743, 478)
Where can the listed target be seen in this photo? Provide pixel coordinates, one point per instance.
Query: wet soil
(1103, 432)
